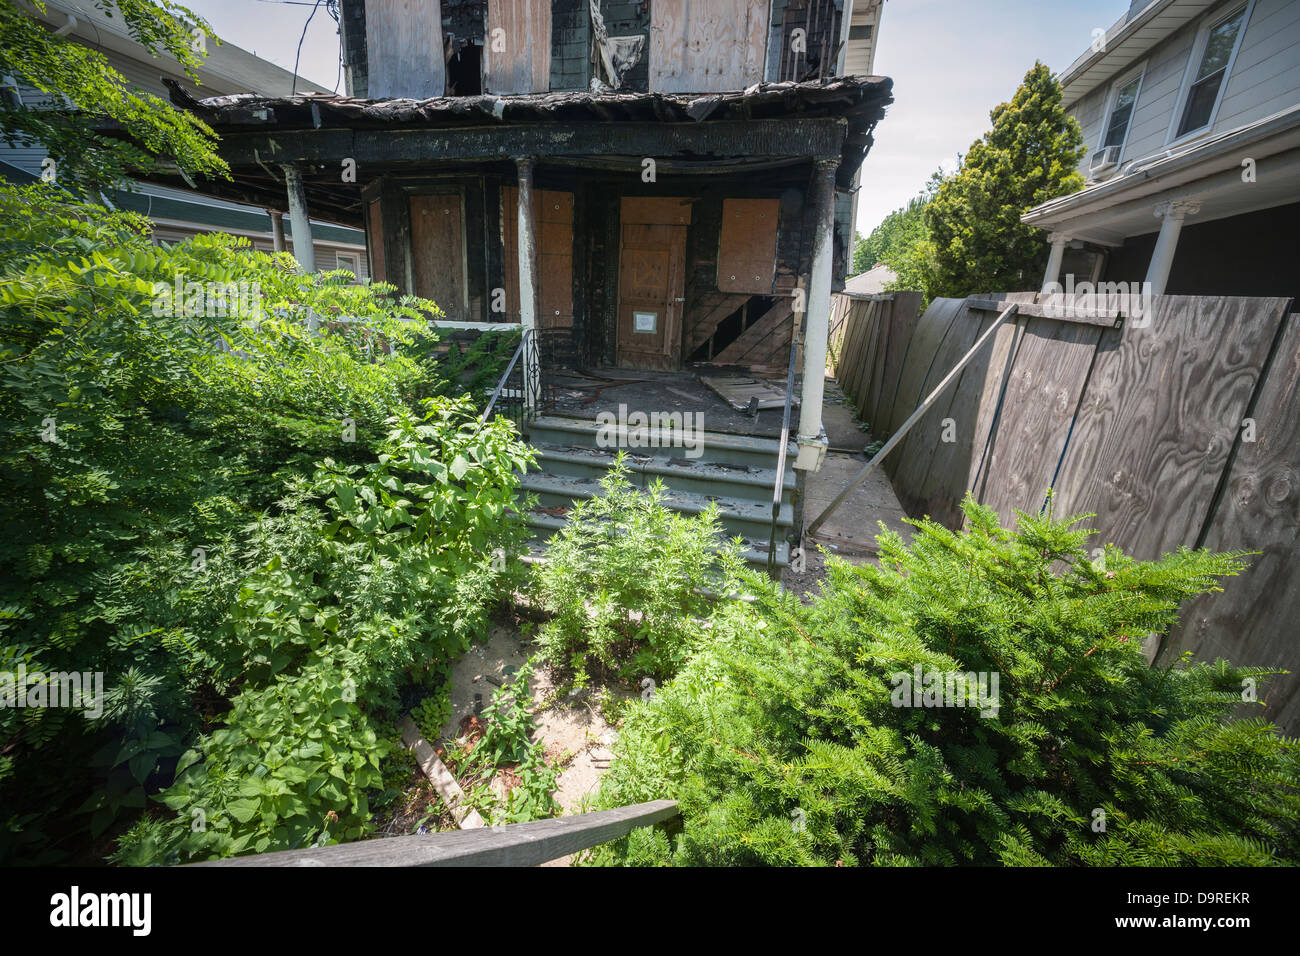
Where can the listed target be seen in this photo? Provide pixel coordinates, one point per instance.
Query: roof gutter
(1283, 127)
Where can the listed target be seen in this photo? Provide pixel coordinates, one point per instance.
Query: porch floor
(586, 395)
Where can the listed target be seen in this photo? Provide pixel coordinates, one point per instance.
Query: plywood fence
(1183, 429)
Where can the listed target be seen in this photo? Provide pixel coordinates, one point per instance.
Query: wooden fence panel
(1161, 413)
(877, 317)
(902, 319)
(1042, 395)
(849, 370)
(930, 332)
(1253, 620)
(914, 461)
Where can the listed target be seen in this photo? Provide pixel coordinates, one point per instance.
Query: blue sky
(951, 60)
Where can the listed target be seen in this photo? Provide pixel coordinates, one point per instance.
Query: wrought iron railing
(527, 386)
(779, 485)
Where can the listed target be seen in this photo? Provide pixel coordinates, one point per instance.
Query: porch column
(527, 247)
(277, 229)
(816, 319)
(303, 250)
(1171, 215)
(1053, 275)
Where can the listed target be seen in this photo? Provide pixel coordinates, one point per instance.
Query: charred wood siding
(820, 22)
(570, 45)
(352, 26)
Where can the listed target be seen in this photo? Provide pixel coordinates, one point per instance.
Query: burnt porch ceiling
(765, 126)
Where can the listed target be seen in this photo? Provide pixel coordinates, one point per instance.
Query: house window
(1121, 113)
(349, 261)
(1211, 73)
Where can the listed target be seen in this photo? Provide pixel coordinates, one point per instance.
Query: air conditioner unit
(1104, 162)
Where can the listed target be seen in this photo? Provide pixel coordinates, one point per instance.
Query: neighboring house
(1191, 114)
(871, 282)
(178, 213)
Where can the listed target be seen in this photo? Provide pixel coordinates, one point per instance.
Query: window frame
(355, 268)
(1199, 45)
(1138, 73)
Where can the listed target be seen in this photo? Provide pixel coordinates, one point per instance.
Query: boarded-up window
(747, 245)
(375, 242)
(517, 49)
(404, 52)
(553, 215)
(438, 252)
(707, 47)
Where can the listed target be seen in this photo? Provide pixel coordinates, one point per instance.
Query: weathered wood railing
(514, 844)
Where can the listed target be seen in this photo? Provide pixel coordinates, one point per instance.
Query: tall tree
(87, 102)
(1030, 155)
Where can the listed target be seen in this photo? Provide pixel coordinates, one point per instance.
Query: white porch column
(277, 230)
(527, 250)
(1054, 260)
(303, 250)
(816, 319)
(1171, 215)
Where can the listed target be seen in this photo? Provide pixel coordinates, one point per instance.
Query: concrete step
(545, 525)
(749, 482)
(750, 519)
(718, 448)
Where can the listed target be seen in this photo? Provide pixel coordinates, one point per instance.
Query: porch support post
(1052, 277)
(1171, 214)
(816, 320)
(303, 250)
(277, 229)
(527, 247)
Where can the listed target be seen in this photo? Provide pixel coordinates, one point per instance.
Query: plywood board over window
(517, 50)
(553, 215)
(707, 47)
(404, 49)
(438, 252)
(747, 245)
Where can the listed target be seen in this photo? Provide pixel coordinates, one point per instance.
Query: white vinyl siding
(1266, 75)
(1264, 79)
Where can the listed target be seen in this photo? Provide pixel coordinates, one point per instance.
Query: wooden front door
(438, 253)
(652, 282)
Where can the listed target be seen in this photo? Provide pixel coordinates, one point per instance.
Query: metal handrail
(505, 376)
(781, 452)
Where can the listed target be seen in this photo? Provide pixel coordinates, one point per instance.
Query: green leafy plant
(624, 579)
(507, 744)
(787, 739)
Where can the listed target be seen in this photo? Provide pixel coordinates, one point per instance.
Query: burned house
(659, 193)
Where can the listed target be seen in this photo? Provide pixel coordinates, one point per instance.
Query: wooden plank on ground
(1160, 415)
(438, 774)
(929, 335)
(1042, 395)
(1253, 620)
(926, 436)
